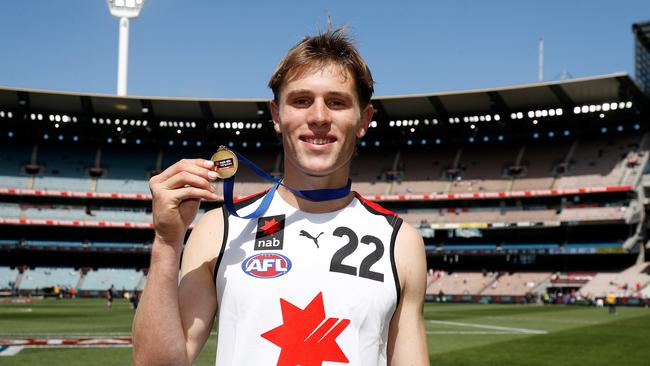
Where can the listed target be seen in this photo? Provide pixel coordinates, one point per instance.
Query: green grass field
(458, 334)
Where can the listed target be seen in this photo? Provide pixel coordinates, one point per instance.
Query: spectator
(109, 297)
(134, 299)
(611, 303)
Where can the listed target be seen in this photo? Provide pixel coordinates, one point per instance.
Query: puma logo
(308, 235)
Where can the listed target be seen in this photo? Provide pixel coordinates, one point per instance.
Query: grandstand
(516, 190)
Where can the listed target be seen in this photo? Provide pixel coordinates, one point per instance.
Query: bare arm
(407, 343)
(197, 292)
(161, 335)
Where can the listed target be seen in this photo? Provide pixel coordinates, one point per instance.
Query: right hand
(176, 195)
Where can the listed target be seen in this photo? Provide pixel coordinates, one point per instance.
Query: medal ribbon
(311, 195)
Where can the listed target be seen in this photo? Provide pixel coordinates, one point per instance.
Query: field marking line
(16, 310)
(559, 321)
(470, 332)
(10, 350)
(492, 327)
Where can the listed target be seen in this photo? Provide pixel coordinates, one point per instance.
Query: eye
(301, 101)
(336, 103)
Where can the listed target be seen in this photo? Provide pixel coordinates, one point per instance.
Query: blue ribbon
(311, 195)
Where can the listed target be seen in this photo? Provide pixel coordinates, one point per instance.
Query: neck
(308, 182)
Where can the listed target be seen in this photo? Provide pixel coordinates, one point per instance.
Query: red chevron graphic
(306, 337)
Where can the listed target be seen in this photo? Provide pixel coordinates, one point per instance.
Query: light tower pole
(124, 10)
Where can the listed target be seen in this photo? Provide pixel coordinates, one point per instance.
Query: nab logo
(270, 233)
(266, 265)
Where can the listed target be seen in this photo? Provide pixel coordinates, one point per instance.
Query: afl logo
(266, 265)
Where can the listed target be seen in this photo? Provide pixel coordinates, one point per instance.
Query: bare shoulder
(408, 234)
(409, 255)
(407, 343)
(204, 243)
(409, 244)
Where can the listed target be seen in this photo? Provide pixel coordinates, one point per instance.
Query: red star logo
(307, 338)
(271, 226)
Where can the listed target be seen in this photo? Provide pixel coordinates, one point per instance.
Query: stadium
(525, 195)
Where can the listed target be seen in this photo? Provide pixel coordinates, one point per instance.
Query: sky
(228, 49)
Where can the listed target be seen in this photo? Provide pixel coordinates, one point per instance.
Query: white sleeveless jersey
(298, 288)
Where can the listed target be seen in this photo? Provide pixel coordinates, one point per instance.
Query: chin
(318, 170)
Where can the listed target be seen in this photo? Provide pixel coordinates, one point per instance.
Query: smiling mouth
(318, 140)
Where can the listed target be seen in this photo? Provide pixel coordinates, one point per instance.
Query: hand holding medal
(176, 194)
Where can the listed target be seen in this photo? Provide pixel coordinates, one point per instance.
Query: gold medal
(225, 162)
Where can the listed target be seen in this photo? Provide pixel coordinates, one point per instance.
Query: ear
(275, 114)
(366, 116)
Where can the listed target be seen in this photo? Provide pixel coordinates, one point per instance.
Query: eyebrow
(307, 91)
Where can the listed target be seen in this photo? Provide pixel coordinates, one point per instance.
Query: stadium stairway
(489, 285)
(19, 279)
(621, 284)
(518, 159)
(82, 277)
(141, 283)
(567, 160)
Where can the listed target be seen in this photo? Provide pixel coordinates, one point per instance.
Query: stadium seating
(588, 163)
(128, 164)
(12, 158)
(58, 213)
(621, 284)
(598, 163)
(645, 292)
(593, 214)
(540, 162)
(13, 182)
(460, 283)
(75, 213)
(516, 284)
(102, 279)
(63, 184)
(484, 172)
(424, 171)
(39, 244)
(367, 173)
(126, 170)
(7, 277)
(120, 215)
(595, 163)
(419, 216)
(108, 185)
(48, 277)
(10, 210)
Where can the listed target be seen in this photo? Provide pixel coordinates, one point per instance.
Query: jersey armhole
(239, 204)
(223, 245)
(396, 224)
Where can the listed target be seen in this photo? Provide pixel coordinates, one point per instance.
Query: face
(320, 119)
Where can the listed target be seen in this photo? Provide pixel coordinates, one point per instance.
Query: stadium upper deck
(586, 105)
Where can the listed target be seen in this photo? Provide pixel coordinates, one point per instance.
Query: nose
(319, 113)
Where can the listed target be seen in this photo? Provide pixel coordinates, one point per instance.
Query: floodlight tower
(124, 10)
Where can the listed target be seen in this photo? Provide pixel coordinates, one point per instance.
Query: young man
(335, 281)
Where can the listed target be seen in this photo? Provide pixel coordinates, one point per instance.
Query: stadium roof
(566, 93)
